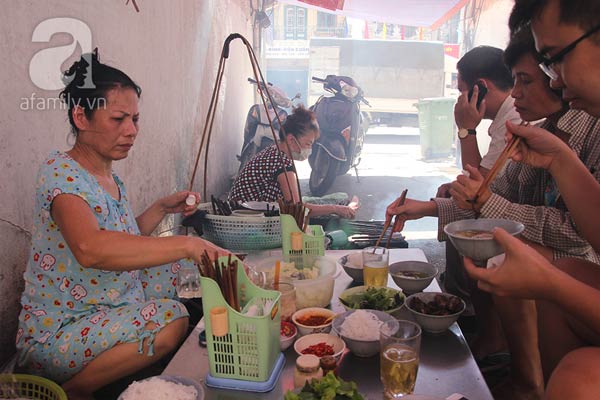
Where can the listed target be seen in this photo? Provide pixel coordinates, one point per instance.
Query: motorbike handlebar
(365, 101)
(321, 80)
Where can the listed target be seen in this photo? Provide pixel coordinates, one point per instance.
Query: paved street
(390, 164)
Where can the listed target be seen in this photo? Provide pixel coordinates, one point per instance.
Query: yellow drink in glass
(400, 343)
(399, 366)
(375, 266)
(375, 276)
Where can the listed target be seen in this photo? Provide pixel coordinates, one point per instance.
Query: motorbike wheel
(324, 172)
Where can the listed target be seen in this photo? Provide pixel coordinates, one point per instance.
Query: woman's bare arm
(118, 251)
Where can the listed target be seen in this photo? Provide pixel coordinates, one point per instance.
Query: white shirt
(497, 131)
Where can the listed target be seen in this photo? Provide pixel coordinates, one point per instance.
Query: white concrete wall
(171, 49)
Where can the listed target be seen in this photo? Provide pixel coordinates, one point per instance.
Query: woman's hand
(198, 246)
(349, 211)
(465, 188)
(538, 147)
(412, 209)
(176, 203)
(524, 273)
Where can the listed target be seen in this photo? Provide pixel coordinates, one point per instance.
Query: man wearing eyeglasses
(567, 294)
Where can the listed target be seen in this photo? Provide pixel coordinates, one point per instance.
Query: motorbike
(257, 132)
(343, 130)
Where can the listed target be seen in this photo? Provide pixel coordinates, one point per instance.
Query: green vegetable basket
(30, 387)
(251, 347)
(313, 244)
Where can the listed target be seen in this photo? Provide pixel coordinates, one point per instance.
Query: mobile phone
(482, 92)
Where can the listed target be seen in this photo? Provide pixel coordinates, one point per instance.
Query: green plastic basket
(250, 348)
(30, 387)
(313, 245)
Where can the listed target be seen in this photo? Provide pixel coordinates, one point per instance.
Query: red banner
(332, 5)
(452, 50)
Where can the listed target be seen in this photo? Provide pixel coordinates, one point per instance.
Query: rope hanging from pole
(210, 115)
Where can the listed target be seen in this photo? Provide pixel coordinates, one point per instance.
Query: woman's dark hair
(87, 83)
(299, 122)
(485, 62)
(520, 44)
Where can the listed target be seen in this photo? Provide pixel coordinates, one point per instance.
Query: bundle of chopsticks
(225, 275)
(498, 165)
(296, 210)
(221, 207)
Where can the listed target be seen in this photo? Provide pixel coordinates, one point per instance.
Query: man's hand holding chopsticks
(538, 147)
(464, 190)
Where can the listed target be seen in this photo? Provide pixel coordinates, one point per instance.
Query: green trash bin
(436, 126)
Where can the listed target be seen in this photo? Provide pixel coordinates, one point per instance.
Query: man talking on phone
(485, 84)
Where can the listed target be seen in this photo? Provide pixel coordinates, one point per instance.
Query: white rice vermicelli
(159, 389)
(361, 325)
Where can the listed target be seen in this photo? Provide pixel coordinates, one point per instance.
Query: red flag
(332, 5)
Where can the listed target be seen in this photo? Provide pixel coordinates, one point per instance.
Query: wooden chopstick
(399, 201)
(498, 165)
(393, 223)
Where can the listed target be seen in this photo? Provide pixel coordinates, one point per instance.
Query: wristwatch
(463, 132)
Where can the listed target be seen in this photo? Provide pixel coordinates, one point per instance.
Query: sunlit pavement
(390, 164)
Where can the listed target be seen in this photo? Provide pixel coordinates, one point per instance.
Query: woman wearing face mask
(266, 176)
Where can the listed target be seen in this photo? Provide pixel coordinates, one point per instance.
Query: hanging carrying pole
(210, 115)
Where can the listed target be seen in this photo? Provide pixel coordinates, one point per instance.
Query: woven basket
(241, 233)
(29, 387)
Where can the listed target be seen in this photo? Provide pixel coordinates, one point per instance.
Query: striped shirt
(520, 193)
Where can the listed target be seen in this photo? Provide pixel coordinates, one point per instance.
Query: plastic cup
(218, 321)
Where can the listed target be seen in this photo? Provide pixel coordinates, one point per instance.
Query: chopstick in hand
(399, 201)
(498, 165)
(396, 218)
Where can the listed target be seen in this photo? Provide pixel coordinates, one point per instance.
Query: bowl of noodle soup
(474, 238)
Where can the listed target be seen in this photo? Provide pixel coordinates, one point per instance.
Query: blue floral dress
(71, 314)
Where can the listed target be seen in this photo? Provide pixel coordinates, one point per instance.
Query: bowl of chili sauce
(313, 320)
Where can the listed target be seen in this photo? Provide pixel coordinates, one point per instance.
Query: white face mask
(303, 154)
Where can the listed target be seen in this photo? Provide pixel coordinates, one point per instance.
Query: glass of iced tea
(375, 266)
(400, 345)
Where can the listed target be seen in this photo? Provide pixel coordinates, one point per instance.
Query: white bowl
(352, 265)
(477, 248)
(308, 329)
(360, 348)
(316, 292)
(433, 323)
(286, 341)
(310, 340)
(412, 284)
